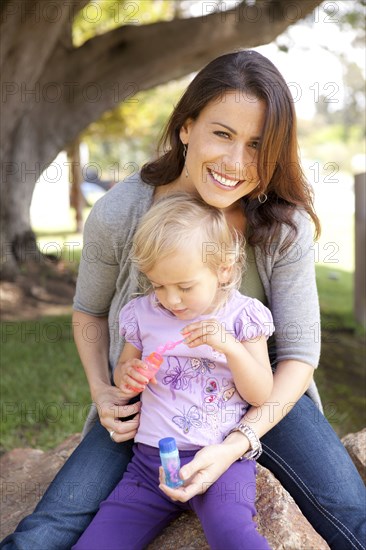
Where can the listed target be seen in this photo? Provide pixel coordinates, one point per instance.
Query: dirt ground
(38, 292)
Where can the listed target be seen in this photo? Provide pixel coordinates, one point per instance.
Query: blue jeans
(302, 451)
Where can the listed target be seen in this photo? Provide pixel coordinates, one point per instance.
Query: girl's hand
(112, 407)
(129, 379)
(209, 332)
(206, 467)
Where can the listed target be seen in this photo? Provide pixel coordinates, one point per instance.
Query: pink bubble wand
(168, 346)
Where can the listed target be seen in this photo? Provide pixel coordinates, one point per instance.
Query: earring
(262, 197)
(184, 156)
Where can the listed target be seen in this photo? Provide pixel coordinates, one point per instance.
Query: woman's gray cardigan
(107, 280)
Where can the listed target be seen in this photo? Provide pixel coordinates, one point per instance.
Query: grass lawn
(335, 287)
(341, 376)
(44, 393)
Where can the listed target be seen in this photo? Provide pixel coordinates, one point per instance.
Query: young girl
(206, 383)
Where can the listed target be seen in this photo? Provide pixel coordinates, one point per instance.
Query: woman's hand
(209, 332)
(206, 467)
(112, 407)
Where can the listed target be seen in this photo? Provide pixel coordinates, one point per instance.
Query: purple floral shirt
(195, 399)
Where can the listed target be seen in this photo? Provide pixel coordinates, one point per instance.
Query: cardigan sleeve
(99, 267)
(293, 296)
(105, 276)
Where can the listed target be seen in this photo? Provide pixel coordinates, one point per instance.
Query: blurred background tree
(57, 80)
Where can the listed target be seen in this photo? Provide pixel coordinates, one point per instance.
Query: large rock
(356, 447)
(25, 476)
(26, 473)
(279, 520)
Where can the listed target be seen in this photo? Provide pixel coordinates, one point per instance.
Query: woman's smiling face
(222, 150)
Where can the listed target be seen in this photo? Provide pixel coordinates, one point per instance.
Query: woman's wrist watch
(256, 446)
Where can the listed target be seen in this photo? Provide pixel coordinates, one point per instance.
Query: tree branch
(30, 32)
(244, 26)
(132, 58)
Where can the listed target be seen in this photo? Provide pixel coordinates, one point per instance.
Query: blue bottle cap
(167, 445)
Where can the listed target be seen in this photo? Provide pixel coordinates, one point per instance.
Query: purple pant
(137, 510)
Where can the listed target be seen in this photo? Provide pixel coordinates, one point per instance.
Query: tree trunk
(53, 90)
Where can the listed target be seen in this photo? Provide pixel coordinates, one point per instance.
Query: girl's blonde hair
(184, 222)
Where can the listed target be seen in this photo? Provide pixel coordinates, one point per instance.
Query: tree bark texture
(51, 90)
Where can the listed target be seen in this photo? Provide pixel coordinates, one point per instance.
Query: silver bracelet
(253, 440)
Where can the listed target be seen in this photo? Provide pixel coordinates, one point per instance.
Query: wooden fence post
(75, 175)
(360, 250)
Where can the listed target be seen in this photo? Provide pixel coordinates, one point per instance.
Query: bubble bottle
(155, 359)
(153, 363)
(169, 456)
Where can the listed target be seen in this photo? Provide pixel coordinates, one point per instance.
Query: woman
(202, 391)
(232, 140)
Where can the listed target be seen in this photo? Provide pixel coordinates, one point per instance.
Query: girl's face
(222, 151)
(185, 285)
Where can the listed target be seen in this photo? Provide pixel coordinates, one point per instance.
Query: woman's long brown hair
(281, 177)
